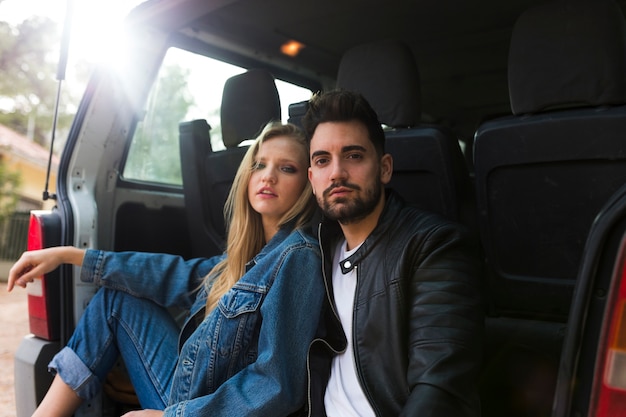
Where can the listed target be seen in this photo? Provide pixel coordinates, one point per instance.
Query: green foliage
(9, 184)
(28, 57)
(154, 154)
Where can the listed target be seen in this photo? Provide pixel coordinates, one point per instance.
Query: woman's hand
(144, 413)
(36, 263)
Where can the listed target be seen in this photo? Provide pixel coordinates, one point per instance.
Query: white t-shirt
(344, 396)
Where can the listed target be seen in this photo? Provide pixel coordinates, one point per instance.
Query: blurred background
(30, 43)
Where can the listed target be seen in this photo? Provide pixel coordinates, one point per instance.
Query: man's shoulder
(415, 216)
(410, 221)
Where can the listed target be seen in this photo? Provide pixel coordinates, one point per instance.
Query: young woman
(253, 311)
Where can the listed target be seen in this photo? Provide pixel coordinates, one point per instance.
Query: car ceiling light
(292, 48)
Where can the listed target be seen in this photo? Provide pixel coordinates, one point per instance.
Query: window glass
(188, 87)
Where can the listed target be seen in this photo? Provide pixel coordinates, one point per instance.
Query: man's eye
(321, 161)
(354, 156)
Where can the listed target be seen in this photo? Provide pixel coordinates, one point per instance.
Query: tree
(154, 155)
(28, 56)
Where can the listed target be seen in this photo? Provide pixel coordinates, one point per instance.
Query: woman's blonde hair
(245, 237)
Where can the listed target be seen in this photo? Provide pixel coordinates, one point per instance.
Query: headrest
(250, 100)
(568, 54)
(386, 74)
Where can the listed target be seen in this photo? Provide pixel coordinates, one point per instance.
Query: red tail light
(609, 391)
(43, 320)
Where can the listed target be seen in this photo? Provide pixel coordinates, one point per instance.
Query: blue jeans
(247, 357)
(116, 323)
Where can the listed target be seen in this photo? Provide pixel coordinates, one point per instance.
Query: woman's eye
(289, 169)
(258, 165)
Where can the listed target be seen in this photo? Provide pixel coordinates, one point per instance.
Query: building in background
(20, 154)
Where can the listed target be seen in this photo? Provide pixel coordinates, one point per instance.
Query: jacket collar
(274, 242)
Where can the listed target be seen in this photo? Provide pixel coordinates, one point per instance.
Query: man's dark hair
(343, 106)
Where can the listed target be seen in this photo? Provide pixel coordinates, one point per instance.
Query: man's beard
(352, 210)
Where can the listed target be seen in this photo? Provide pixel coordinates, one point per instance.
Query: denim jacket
(248, 356)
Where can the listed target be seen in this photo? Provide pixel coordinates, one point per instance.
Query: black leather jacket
(418, 316)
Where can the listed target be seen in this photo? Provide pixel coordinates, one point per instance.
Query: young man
(401, 330)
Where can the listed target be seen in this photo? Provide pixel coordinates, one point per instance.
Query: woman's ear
(386, 168)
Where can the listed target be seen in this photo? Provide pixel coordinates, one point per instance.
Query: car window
(189, 86)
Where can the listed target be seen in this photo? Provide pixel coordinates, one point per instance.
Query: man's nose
(337, 171)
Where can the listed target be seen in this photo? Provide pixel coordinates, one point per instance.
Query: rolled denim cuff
(90, 270)
(75, 374)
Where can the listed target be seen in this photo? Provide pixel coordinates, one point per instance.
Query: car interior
(504, 116)
(488, 124)
(250, 100)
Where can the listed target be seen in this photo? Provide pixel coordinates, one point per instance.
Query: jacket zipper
(332, 306)
(356, 351)
(308, 370)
